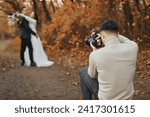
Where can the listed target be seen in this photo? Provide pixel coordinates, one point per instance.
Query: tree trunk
(111, 5)
(62, 1)
(47, 16)
(144, 13)
(35, 8)
(128, 17)
(53, 7)
(137, 4)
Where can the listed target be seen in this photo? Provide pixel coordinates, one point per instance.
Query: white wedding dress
(39, 55)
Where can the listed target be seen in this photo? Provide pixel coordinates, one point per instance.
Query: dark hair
(109, 25)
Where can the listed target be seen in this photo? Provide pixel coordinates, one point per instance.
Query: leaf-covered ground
(56, 82)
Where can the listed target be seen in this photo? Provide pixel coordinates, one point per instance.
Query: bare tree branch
(4, 11)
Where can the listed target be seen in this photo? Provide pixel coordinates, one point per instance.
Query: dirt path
(55, 82)
(17, 82)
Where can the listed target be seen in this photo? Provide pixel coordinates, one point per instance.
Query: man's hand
(94, 48)
(98, 36)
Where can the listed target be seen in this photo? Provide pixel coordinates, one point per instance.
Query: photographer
(111, 68)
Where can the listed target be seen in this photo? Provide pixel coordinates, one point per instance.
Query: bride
(39, 54)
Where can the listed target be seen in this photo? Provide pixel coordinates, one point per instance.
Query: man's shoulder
(98, 52)
(132, 45)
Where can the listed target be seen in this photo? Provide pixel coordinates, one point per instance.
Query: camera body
(94, 41)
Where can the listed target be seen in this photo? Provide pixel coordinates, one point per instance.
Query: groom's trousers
(89, 86)
(26, 43)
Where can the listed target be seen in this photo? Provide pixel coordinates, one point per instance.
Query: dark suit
(26, 32)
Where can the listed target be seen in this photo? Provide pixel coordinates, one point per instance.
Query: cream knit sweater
(115, 66)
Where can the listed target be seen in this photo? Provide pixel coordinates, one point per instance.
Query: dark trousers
(26, 43)
(89, 86)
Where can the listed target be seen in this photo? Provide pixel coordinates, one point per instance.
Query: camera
(94, 41)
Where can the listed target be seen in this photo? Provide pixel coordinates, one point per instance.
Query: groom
(25, 36)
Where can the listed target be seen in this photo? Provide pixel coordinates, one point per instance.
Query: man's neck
(109, 37)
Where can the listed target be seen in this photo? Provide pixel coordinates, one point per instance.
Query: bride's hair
(29, 9)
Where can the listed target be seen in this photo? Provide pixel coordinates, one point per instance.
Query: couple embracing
(32, 52)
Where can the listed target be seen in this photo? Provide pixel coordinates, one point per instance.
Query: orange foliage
(16, 44)
(63, 38)
(71, 24)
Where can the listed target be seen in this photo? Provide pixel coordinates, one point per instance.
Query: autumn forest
(62, 26)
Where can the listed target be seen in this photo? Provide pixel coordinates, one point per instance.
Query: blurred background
(64, 24)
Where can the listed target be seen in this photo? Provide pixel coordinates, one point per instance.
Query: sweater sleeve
(123, 39)
(92, 67)
(26, 25)
(29, 19)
